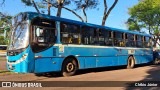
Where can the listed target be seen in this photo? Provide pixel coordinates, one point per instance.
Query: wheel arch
(135, 62)
(75, 58)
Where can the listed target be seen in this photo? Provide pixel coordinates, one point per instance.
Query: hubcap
(70, 67)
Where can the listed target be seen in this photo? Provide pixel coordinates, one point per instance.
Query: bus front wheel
(130, 63)
(69, 67)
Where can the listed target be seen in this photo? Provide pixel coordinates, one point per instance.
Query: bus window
(96, 36)
(70, 34)
(101, 37)
(130, 40)
(118, 39)
(147, 42)
(139, 41)
(105, 37)
(88, 35)
(43, 34)
(143, 41)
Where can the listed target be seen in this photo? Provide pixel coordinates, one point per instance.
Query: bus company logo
(6, 84)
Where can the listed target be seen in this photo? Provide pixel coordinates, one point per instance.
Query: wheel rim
(130, 62)
(70, 67)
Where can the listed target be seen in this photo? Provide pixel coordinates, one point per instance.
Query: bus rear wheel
(156, 61)
(69, 67)
(131, 63)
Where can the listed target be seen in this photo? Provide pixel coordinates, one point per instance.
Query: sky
(116, 19)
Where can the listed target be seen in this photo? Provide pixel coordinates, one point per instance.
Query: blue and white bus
(41, 43)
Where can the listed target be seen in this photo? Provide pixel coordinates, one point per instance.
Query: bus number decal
(61, 49)
(131, 51)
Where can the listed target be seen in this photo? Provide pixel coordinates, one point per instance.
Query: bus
(3, 49)
(40, 44)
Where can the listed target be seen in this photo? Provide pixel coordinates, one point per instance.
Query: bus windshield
(19, 36)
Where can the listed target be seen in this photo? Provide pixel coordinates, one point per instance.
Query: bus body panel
(48, 64)
(21, 63)
(87, 58)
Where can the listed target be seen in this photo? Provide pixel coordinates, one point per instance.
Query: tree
(107, 11)
(133, 24)
(61, 4)
(31, 3)
(147, 16)
(84, 5)
(47, 3)
(5, 23)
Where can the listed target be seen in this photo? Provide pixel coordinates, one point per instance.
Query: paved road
(140, 73)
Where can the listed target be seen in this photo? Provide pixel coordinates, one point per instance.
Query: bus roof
(34, 14)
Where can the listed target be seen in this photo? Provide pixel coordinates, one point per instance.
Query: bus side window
(101, 38)
(105, 38)
(130, 40)
(87, 35)
(96, 36)
(118, 39)
(125, 39)
(138, 41)
(70, 34)
(64, 33)
(147, 42)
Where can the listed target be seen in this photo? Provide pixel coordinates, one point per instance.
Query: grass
(2, 58)
(5, 72)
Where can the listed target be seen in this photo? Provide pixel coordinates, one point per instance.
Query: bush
(3, 41)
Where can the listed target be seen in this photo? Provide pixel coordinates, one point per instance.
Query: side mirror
(38, 32)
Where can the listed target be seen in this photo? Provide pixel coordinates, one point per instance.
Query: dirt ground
(2, 63)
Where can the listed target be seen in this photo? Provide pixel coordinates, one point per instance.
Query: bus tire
(156, 61)
(131, 63)
(69, 67)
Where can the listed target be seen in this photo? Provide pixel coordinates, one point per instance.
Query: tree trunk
(106, 13)
(71, 12)
(85, 15)
(49, 7)
(74, 13)
(59, 10)
(60, 5)
(35, 6)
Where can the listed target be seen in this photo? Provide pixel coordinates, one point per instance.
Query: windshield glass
(19, 36)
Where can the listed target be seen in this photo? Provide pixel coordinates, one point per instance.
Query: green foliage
(42, 4)
(3, 41)
(133, 24)
(27, 2)
(146, 14)
(5, 23)
(4, 19)
(88, 4)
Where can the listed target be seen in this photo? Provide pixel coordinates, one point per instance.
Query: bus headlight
(19, 60)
